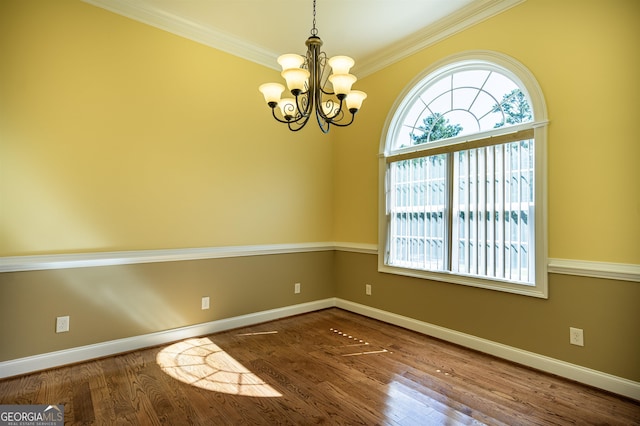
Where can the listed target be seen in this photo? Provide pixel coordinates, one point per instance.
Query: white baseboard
(564, 369)
(84, 353)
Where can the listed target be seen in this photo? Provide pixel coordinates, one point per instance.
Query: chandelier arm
(302, 115)
(316, 60)
(323, 120)
(306, 111)
(298, 128)
(353, 116)
(297, 120)
(322, 123)
(300, 121)
(339, 112)
(273, 112)
(326, 92)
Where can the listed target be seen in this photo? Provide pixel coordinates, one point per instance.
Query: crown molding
(466, 17)
(174, 24)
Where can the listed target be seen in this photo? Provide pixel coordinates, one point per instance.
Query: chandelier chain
(314, 30)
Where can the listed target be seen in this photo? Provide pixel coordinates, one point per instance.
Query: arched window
(463, 177)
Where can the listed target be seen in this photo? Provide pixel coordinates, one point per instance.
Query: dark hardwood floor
(325, 367)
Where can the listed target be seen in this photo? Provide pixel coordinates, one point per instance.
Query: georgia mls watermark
(31, 415)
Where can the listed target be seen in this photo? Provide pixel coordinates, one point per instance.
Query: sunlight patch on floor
(200, 362)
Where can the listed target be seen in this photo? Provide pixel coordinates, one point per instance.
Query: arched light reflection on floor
(200, 362)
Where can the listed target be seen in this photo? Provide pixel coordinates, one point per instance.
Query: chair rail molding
(87, 260)
(606, 270)
(611, 271)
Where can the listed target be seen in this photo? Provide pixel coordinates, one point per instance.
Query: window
(463, 177)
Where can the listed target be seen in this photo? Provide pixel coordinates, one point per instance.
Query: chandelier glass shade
(312, 90)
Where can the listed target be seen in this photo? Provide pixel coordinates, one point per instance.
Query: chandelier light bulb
(342, 83)
(297, 79)
(290, 60)
(341, 64)
(272, 92)
(355, 99)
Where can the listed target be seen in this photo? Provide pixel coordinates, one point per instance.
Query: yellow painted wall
(118, 136)
(585, 55)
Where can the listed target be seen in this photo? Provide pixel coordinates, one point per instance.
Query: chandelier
(328, 97)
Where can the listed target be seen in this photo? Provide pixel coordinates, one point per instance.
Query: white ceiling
(375, 33)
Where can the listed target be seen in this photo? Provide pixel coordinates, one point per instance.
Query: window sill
(539, 291)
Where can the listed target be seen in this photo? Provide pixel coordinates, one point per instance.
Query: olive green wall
(586, 59)
(115, 302)
(606, 310)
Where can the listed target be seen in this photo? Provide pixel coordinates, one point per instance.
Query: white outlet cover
(205, 302)
(576, 336)
(62, 324)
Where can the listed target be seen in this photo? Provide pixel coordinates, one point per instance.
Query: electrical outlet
(576, 336)
(296, 288)
(367, 289)
(62, 324)
(205, 302)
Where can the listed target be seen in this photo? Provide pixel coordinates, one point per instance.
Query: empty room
(389, 212)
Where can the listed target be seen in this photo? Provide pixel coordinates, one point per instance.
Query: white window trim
(517, 72)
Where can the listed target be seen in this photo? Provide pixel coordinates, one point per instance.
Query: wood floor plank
(82, 402)
(326, 367)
